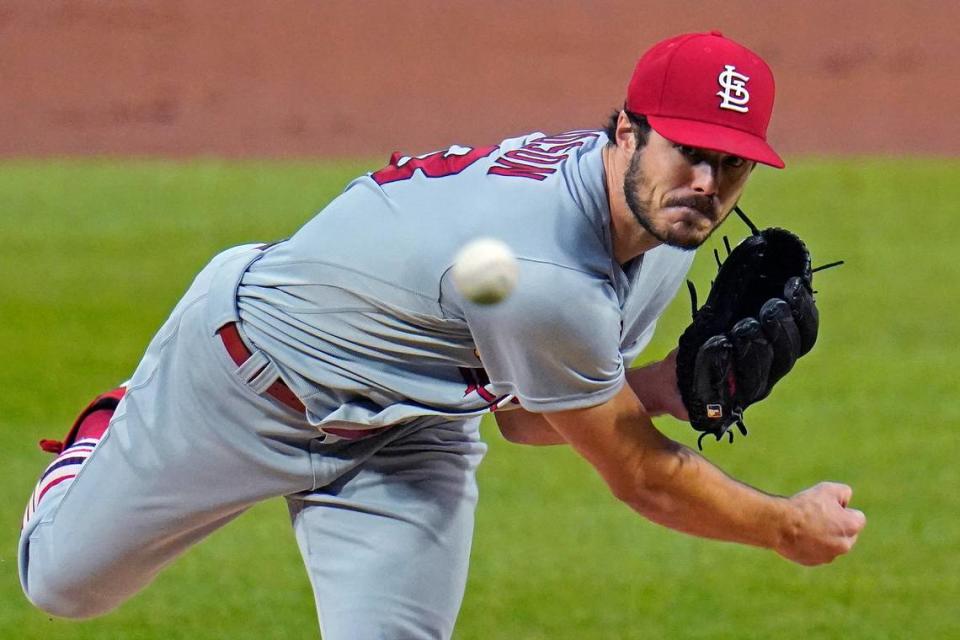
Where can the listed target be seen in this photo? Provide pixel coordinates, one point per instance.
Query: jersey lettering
(509, 168)
(527, 154)
(533, 160)
(438, 164)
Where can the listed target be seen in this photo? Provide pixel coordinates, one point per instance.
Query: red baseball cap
(707, 91)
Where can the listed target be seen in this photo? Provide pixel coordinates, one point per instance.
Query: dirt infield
(350, 77)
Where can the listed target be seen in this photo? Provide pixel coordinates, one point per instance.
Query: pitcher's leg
(98, 538)
(189, 448)
(387, 546)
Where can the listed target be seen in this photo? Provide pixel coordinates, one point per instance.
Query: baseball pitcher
(340, 368)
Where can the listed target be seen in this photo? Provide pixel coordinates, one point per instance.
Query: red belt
(279, 390)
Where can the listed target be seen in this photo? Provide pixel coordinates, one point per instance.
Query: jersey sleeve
(554, 343)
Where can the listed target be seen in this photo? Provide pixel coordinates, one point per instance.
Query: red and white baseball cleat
(91, 423)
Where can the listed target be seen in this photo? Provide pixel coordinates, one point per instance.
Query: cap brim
(715, 137)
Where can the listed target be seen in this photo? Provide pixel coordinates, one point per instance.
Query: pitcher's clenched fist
(822, 526)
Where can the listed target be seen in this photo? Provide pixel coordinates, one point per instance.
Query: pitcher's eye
(734, 162)
(690, 152)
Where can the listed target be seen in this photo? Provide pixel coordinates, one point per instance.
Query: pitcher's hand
(822, 527)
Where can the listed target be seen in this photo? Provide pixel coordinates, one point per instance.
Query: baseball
(485, 271)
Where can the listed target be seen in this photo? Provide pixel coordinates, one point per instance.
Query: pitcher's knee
(66, 598)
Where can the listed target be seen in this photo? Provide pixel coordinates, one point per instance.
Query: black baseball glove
(759, 317)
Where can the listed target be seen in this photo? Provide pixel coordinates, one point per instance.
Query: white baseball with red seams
(485, 271)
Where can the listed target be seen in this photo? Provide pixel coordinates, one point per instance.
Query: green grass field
(96, 253)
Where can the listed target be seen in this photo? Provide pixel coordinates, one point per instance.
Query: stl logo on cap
(734, 89)
(675, 85)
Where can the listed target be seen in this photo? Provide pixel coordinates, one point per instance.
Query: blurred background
(140, 137)
(348, 77)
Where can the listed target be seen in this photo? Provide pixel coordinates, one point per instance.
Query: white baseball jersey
(359, 313)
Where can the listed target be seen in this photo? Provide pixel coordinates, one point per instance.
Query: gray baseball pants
(384, 524)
